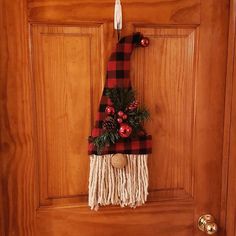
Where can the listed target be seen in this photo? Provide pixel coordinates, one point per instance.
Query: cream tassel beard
(125, 187)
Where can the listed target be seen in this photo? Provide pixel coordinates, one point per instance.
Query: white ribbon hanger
(118, 18)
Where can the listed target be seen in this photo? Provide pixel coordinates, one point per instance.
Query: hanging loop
(118, 18)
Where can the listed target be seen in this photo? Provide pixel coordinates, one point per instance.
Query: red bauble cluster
(125, 130)
(121, 117)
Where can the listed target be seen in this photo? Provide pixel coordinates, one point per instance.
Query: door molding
(228, 216)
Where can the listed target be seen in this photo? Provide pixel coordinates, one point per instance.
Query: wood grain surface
(2, 217)
(229, 161)
(52, 73)
(17, 151)
(169, 64)
(163, 12)
(67, 65)
(231, 193)
(117, 221)
(210, 109)
(2, 55)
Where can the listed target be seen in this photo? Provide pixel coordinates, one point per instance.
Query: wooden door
(53, 82)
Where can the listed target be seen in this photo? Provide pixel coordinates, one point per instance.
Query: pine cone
(109, 124)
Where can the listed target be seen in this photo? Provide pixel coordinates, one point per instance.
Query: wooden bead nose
(119, 160)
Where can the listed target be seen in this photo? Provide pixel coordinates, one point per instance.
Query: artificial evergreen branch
(120, 97)
(122, 100)
(105, 139)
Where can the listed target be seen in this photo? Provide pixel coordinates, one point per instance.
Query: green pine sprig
(105, 139)
(137, 118)
(120, 97)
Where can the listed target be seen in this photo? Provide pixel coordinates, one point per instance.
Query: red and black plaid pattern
(118, 76)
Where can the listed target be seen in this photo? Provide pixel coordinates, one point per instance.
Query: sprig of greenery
(141, 113)
(120, 97)
(105, 139)
(137, 117)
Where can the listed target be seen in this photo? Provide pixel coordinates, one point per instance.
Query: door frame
(16, 136)
(20, 81)
(228, 217)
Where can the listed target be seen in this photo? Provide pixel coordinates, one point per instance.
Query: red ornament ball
(119, 120)
(124, 117)
(125, 130)
(120, 113)
(110, 110)
(144, 42)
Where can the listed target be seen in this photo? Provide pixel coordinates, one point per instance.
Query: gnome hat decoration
(119, 145)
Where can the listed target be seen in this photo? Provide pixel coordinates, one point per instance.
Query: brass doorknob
(206, 223)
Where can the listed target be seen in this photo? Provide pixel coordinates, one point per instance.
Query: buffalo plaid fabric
(118, 76)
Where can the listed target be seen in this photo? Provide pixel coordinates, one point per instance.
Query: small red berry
(119, 120)
(120, 113)
(124, 117)
(110, 110)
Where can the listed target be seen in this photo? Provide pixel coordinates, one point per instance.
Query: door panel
(165, 77)
(66, 69)
(155, 219)
(180, 77)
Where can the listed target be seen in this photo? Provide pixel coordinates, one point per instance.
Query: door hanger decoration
(119, 145)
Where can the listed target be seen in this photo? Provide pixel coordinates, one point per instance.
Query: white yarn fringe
(125, 187)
